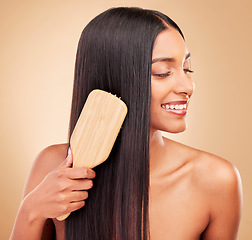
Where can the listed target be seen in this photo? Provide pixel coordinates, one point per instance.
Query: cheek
(162, 87)
(156, 91)
(157, 97)
(155, 102)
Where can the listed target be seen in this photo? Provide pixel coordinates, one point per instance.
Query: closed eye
(162, 75)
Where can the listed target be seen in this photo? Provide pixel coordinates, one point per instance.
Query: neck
(157, 148)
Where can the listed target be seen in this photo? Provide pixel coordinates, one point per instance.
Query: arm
(52, 189)
(225, 203)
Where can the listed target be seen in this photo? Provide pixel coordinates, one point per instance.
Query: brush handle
(63, 217)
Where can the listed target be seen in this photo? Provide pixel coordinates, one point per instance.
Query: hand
(62, 191)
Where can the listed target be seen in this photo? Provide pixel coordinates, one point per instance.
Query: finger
(81, 184)
(73, 206)
(80, 173)
(78, 196)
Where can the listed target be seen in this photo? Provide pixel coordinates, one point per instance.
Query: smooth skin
(52, 189)
(193, 194)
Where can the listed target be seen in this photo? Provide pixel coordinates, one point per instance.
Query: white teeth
(177, 107)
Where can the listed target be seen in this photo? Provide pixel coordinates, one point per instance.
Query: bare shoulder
(207, 168)
(214, 173)
(208, 172)
(47, 160)
(219, 183)
(51, 157)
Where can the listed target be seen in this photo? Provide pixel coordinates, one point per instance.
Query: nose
(184, 84)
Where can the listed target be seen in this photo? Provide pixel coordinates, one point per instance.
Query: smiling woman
(150, 187)
(171, 83)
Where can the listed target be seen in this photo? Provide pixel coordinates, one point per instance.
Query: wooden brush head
(97, 128)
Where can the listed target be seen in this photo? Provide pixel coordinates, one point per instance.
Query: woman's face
(171, 83)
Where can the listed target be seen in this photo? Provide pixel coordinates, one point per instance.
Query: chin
(174, 129)
(177, 126)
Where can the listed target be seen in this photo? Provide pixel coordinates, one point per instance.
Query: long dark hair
(114, 54)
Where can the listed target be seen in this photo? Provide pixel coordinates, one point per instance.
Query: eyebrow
(168, 59)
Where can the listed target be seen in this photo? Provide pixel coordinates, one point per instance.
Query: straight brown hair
(114, 54)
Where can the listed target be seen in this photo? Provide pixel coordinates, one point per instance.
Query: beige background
(38, 44)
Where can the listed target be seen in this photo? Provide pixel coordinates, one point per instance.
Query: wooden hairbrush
(96, 130)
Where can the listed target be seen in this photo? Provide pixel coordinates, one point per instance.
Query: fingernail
(69, 151)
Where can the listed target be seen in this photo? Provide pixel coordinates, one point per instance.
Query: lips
(176, 107)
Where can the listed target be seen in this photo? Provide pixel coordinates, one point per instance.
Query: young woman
(150, 187)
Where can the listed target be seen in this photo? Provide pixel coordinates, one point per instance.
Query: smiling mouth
(174, 106)
(178, 107)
